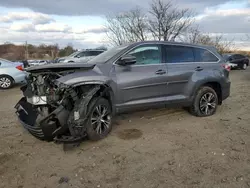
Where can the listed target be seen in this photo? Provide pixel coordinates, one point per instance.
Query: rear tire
(99, 122)
(205, 102)
(6, 82)
(244, 66)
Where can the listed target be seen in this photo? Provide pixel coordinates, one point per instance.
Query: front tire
(205, 102)
(100, 119)
(6, 82)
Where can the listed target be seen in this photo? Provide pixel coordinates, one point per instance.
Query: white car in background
(11, 73)
(82, 56)
(37, 62)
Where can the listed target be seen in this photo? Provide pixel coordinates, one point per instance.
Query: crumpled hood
(80, 77)
(58, 67)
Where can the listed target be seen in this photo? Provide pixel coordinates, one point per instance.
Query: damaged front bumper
(51, 127)
(60, 124)
(27, 117)
(44, 128)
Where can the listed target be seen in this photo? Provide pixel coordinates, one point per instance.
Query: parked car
(80, 56)
(67, 102)
(237, 61)
(37, 62)
(10, 73)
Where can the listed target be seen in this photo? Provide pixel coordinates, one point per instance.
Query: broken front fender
(83, 77)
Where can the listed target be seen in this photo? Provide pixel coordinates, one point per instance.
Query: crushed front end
(51, 110)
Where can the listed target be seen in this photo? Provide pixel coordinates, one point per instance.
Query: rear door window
(179, 54)
(203, 55)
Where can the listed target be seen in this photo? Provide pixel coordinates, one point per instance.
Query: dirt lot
(157, 149)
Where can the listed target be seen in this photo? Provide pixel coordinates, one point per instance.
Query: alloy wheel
(5, 82)
(208, 103)
(101, 119)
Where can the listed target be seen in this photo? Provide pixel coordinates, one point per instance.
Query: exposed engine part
(60, 111)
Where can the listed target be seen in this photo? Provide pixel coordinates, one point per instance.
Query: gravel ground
(156, 148)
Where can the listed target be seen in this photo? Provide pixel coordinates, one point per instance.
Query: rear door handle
(198, 69)
(160, 72)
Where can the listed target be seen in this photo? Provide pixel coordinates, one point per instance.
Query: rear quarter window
(203, 55)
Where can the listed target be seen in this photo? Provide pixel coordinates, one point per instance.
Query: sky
(81, 22)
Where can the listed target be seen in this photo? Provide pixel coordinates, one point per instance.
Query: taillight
(227, 67)
(19, 67)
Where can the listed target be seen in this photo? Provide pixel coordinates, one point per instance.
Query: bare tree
(116, 35)
(195, 36)
(167, 22)
(223, 45)
(129, 26)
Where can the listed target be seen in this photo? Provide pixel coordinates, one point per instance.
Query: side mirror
(127, 60)
(77, 56)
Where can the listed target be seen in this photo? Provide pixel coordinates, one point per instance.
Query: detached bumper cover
(29, 117)
(34, 130)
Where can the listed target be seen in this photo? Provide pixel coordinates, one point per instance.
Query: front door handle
(160, 72)
(198, 69)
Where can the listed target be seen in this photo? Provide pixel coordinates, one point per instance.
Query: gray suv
(67, 102)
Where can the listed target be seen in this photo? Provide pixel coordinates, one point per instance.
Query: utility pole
(26, 51)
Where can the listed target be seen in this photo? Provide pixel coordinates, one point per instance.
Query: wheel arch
(215, 85)
(8, 76)
(12, 79)
(104, 91)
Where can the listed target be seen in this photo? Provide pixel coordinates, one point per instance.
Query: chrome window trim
(200, 47)
(192, 63)
(170, 44)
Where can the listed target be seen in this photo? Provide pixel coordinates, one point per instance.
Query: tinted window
(148, 54)
(90, 53)
(179, 54)
(202, 55)
(94, 53)
(238, 56)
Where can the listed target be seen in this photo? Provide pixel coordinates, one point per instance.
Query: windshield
(107, 55)
(71, 55)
